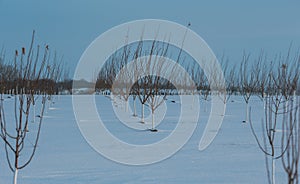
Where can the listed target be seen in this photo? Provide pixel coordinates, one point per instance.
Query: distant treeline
(261, 75)
(253, 75)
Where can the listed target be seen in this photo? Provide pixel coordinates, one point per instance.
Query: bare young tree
(247, 82)
(135, 88)
(108, 73)
(280, 106)
(231, 80)
(122, 86)
(31, 71)
(291, 117)
(262, 70)
(290, 141)
(158, 86)
(268, 143)
(203, 87)
(140, 87)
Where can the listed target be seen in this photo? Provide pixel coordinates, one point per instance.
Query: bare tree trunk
(273, 170)
(126, 105)
(143, 113)
(16, 176)
(33, 113)
(153, 120)
(134, 107)
(247, 112)
(264, 98)
(205, 106)
(49, 103)
(192, 106)
(48, 106)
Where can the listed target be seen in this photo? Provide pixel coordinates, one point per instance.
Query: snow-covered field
(64, 157)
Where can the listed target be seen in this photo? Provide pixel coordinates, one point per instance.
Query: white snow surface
(64, 157)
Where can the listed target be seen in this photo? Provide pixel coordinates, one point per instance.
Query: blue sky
(229, 27)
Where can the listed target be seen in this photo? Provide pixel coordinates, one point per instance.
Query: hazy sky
(228, 27)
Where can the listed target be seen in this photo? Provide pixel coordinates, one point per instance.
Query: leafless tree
(262, 70)
(248, 82)
(108, 73)
(32, 72)
(268, 143)
(203, 87)
(159, 87)
(290, 144)
(291, 117)
(135, 87)
(122, 85)
(230, 79)
(280, 104)
(145, 83)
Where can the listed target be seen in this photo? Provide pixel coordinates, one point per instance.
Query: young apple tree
(248, 82)
(32, 72)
